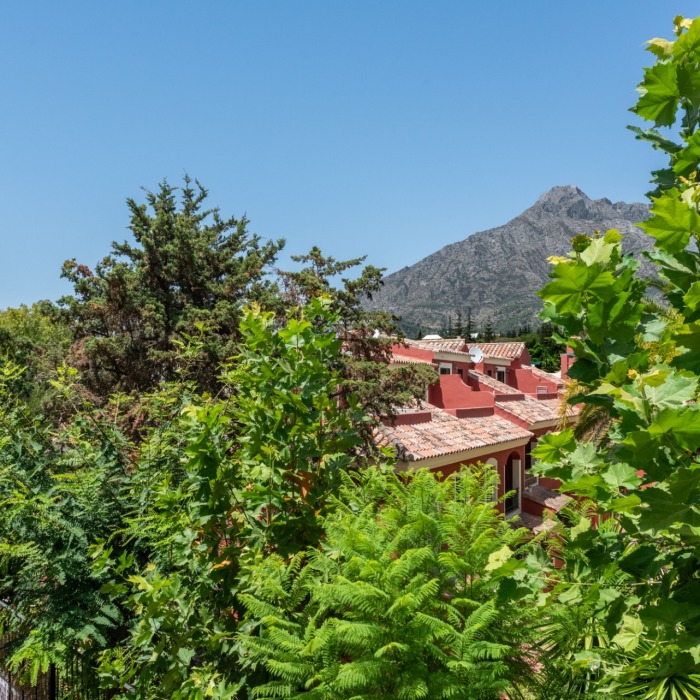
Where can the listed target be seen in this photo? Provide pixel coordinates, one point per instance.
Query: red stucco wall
(527, 382)
(500, 456)
(451, 392)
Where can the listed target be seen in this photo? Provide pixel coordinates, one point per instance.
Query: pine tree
(459, 327)
(187, 273)
(469, 326)
(487, 333)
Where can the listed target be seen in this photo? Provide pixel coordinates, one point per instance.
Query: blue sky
(381, 128)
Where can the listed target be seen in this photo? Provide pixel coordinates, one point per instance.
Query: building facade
(489, 404)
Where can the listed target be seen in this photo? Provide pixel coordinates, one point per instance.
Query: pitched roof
(440, 345)
(545, 375)
(408, 360)
(528, 409)
(498, 387)
(535, 410)
(506, 350)
(547, 497)
(445, 434)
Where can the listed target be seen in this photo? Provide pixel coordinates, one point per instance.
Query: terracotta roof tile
(446, 434)
(506, 350)
(545, 375)
(553, 500)
(408, 360)
(535, 410)
(458, 345)
(498, 387)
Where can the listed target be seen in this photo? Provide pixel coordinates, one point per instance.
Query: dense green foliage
(187, 275)
(59, 488)
(154, 537)
(367, 335)
(260, 468)
(398, 601)
(35, 339)
(232, 544)
(545, 347)
(637, 361)
(146, 535)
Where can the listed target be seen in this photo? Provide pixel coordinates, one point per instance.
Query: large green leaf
(630, 633)
(656, 139)
(681, 269)
(688, 339)
(572, 281)
(687, 160)
(684, 484)
(673, 391)
(679, 427)
(659, 94)
(664, 512)
(601, 250)
(621, 476)
(554, 446)
(673, 222)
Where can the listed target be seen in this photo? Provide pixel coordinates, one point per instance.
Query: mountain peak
(495, 275)
(560, 199)
(560, 193)
(571, 202)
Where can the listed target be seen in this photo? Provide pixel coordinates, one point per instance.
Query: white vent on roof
(542, 390)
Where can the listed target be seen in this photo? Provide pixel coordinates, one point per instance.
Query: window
(512, 484)
(530, 479)
(501, 375)
(489, 372)
(460, 372)
(445, 368)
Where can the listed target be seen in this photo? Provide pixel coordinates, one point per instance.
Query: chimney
(567, 359)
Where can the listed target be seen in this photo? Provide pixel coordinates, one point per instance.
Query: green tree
(35, 339)
(187, 275)
(638, 362)
(262, 466)
(488, 334)
(459, 325)
(469, 326)
(59, 488)
(398, 602)
(367, 335)
(545, 347)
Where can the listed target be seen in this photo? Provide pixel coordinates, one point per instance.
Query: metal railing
(78, 681)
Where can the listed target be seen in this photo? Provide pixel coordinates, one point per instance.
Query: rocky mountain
(497, 273)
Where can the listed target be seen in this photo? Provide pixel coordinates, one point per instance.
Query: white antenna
(476, 355)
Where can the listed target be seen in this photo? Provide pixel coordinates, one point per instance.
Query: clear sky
(381, 128)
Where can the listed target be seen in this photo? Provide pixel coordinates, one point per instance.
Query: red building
(489, 404)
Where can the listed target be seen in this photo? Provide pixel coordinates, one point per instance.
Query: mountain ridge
(496, 273)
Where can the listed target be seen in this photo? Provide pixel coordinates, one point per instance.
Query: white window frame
(517, 487)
